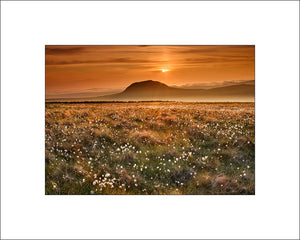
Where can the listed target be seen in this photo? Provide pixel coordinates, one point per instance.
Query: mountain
(146, 86)
(78, 95)
(153, 90)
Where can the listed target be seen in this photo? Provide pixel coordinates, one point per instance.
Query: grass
(150, 148)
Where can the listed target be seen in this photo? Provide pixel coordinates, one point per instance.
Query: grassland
(150, 148)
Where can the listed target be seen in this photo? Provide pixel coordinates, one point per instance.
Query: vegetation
(150, 148)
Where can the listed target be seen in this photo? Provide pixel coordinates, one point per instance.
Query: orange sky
(72, 69)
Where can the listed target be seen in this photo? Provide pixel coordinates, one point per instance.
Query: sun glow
(165, 70)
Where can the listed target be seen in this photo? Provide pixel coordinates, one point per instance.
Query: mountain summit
(146, 86)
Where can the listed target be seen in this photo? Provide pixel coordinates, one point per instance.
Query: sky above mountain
(111, 68)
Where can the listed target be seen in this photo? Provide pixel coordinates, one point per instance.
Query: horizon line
(195, 86)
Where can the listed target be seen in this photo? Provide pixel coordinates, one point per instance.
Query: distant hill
(153, 90)
(156, 91)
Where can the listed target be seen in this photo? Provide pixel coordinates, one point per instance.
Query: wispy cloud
(63, 50)
(206, 85)
(101, 61)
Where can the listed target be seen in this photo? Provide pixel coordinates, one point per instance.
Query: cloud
(63, 50)
(213, 49)
(207, 85)
(103, 61)
(217, 59)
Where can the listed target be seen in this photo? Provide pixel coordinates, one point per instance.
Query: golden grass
(150, 148)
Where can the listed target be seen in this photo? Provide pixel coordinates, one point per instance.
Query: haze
(89, 71)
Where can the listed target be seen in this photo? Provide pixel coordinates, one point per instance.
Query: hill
(153, 90)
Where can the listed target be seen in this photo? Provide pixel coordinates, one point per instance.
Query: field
(150, 148)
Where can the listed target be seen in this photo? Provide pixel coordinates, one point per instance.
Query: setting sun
(165, 70)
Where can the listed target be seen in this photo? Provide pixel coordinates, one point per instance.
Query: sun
(165, 70)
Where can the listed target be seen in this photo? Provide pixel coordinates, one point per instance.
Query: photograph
(150, 119)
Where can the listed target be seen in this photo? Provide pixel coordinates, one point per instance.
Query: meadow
(149, 148)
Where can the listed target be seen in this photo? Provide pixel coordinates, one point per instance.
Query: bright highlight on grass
(165, 70)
